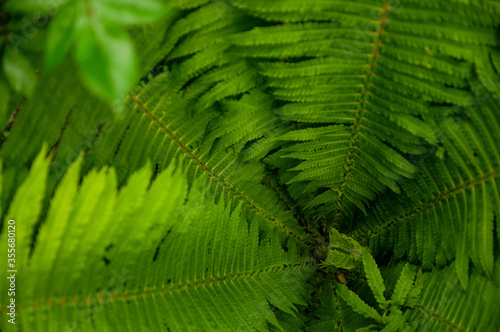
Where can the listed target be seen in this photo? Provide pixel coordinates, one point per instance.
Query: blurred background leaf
(130, 11)
(94, 32)
(60, 36)
(18, 71)
(107, 75)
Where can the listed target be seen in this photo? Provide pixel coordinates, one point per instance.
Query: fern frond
(404, 284)
(357, 81)
(444, 304)
(344, 252)
(374, 278)
(357, 304)
(269, 146)
(454, 201)
(123, 265)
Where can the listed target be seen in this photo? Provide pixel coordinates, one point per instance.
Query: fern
(464, 189)
(320, 165)
(226, 277)
(345, 253)
(393, 318)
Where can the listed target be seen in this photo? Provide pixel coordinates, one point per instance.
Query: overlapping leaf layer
(207, 203)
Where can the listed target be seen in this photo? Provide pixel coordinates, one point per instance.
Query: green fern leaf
(357, 304)
(404, 284)
(374, 278)
(123, 263)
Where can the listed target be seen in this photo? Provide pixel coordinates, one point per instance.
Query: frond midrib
(357, 119)
(178, 287)
(426, 205)
(230, 188)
